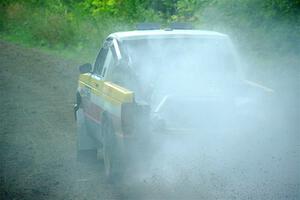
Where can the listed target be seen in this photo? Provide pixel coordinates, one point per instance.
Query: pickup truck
(147, 83)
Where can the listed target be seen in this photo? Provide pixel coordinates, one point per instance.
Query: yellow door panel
(117, 92)
(97, 84)
(85, 78)
(108, 90)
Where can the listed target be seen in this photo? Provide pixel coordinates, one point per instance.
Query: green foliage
(83, 24)
(188, 9)
(44, 26)
(268, 24)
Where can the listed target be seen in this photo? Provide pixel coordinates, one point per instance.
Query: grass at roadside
(63, 31)
(70, 53)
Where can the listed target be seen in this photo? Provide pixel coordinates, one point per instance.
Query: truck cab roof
(167, 33)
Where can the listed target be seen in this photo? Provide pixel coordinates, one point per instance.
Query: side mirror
(85, 68)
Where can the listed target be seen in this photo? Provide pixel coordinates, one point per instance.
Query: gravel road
(37, 141)
(38, 151)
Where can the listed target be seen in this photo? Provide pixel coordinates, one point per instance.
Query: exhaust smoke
(215, 133)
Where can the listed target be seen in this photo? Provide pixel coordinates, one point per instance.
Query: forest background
(261, 29)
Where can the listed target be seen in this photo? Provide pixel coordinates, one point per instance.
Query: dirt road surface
(38, 159)
(38, 147)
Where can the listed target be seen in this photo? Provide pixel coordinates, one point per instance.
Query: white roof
(143, 34)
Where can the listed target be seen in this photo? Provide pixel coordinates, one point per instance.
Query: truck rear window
(188, 56)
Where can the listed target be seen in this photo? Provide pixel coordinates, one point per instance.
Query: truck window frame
(102, 65)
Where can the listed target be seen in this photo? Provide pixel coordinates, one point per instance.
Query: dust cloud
(214, 133)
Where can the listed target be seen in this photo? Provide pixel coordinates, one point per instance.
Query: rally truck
(152, 82)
